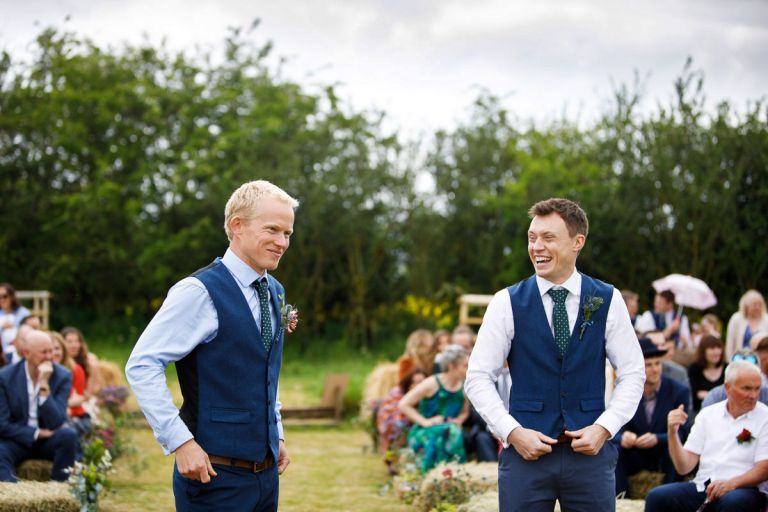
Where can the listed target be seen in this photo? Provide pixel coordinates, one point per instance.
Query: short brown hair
(575, 218)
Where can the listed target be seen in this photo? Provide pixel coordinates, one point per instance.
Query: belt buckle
(258, 467)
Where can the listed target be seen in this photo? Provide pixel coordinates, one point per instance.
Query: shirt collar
(572, 284)
(744, 416)
(242, 272)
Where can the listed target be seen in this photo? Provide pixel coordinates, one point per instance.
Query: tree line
(116, 163)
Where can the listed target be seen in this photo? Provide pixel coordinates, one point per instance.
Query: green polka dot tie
(266, 318)
(560, 318)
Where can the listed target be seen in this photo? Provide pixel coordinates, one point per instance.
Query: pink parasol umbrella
(689, 291)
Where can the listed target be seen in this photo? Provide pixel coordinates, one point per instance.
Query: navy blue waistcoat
(552, 393)
(229, 384)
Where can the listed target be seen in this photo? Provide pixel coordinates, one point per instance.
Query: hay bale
(641, 483)
(377, 385)
(456, 483)
(483, 502)
(34, 469)
(36, 497)
(111, 374)
(489, 502)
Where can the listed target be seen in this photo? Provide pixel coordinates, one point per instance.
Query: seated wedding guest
(464, 336)
(759, 358)
(11, 315)
(33, 321)
(442, 338)
(633, 305)
(669, 368)
(33, 411)
(436, 435)
(665, 318)
(418, 353)
(729, 443)
(79, 419)
(708, 370)
(18, 347)
(478, 441)
(391, 423)
(642, 443)
(78, 351)
(750, 318)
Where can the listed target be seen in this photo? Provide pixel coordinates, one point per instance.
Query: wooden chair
(331, 407)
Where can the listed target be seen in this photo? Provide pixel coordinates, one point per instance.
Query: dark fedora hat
(650, 349)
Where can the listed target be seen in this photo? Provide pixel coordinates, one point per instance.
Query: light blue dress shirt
(186, 319)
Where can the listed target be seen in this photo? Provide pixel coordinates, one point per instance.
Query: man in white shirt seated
(729, 442)
(663, 317)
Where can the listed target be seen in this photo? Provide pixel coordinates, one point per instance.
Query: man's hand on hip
(588, 440)
(530, 444)
(282, 458)
(192, 462)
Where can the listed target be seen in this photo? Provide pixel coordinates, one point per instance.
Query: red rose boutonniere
(745, 437)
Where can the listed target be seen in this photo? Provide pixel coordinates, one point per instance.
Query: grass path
(329, 472)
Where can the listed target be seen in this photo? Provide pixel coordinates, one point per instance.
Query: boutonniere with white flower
(289, 315)
(745, 437)
(591, 304)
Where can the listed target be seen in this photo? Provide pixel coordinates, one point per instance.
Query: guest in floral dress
(391, 423)
(442, 408)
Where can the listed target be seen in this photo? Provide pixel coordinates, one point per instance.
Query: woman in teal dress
(436, 435)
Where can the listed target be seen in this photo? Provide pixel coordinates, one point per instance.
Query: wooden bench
(331, 407)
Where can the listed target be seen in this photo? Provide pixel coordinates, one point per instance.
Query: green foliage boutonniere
(287, 312)
(590, 305)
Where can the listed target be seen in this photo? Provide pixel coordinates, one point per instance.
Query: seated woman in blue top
(442, 408)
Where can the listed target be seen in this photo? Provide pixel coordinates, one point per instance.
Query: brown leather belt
(564, 439)
(255, 467)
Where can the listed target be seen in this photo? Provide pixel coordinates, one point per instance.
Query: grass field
(331, 469)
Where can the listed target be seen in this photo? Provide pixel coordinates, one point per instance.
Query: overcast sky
(423, 61)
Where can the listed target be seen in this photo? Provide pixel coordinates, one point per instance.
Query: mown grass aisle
(329, 471)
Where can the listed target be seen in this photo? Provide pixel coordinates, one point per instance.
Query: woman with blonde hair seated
(749, 319)
(418, 353)
(80, 419)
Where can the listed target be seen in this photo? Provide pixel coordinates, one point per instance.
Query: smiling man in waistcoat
(222, 327)
(555, 330)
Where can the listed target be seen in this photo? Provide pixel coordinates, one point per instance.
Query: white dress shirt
(186, 319)
(713, 439)
(646, 323)
(34, 400)
(497, 333)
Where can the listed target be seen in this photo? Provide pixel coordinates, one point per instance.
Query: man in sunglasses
(758, 358)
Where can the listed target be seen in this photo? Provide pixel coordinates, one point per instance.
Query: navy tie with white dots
(262, 288)
(560, 318)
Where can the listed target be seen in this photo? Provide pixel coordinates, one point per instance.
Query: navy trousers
(580, 482)
(59, 448)
(232, 490)
(683, 497)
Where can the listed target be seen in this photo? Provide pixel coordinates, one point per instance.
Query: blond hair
(749, 296)
(246, 199)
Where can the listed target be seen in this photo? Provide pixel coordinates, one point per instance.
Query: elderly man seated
(729, 442)
(642, 442)
(33, 411)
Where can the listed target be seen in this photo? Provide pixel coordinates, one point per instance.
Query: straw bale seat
(36, 497)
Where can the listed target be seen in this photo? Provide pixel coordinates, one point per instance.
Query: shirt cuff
(505, 427)
(177, 435)
(37, 433)
(280, 433)
(609, 422)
